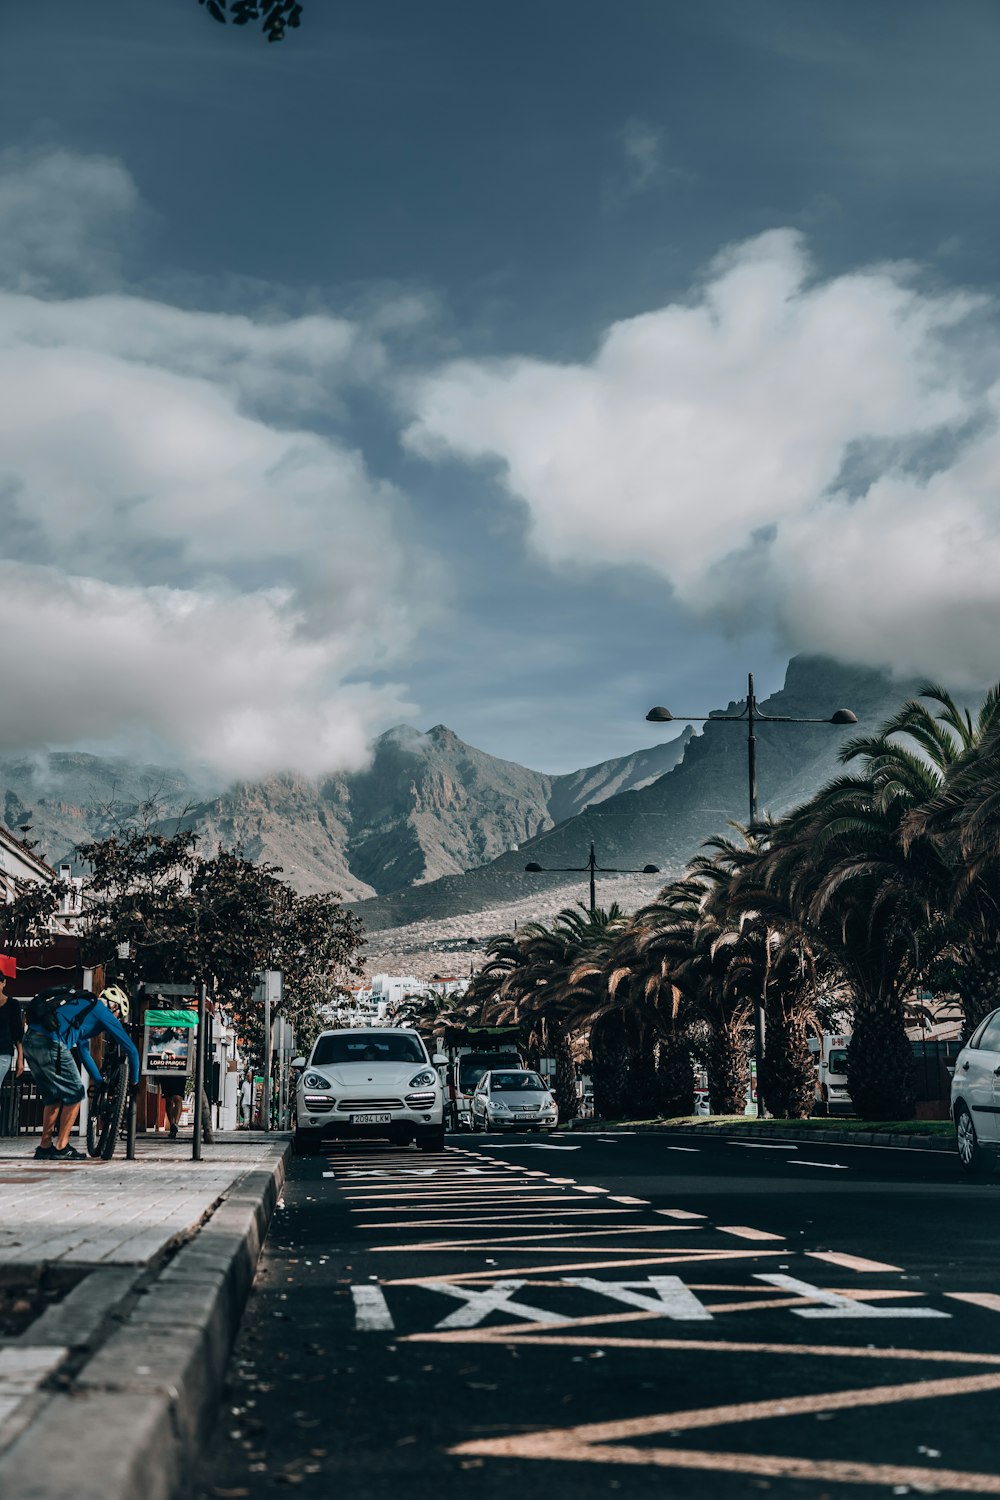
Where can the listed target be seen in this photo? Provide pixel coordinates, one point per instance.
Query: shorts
(56, 1075)
(172, 1087)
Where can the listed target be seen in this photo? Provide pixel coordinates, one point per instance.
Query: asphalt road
(648, 1314)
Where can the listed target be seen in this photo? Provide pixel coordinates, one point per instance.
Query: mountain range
(427, 806)
(433, 828)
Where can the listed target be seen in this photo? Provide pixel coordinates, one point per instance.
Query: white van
(365, 1083)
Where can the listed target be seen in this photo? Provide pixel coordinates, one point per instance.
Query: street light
(592, 868)
(750, 716)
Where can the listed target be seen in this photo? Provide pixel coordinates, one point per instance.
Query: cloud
(190, 547)
(713, 439)
(642, 147)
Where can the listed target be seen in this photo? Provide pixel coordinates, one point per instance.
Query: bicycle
(108, 1102)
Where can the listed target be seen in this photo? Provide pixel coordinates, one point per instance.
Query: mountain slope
(427, 806)
(665, 821)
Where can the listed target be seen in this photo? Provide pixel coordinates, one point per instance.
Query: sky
(513, 368)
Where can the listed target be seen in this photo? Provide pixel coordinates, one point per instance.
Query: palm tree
(866, 894)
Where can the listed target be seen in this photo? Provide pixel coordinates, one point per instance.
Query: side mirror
(440, 1060)
(297, 1062)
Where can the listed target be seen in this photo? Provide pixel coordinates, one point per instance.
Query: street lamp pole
(752, 715)
(591, 868)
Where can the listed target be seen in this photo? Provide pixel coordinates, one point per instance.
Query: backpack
(42, 1010)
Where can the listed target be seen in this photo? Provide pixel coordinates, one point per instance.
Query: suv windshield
(349, 1046)
(511, 1083)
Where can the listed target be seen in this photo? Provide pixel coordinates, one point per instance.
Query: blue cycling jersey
(83, 1017)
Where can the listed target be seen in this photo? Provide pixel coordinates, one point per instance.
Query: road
(572, 1315)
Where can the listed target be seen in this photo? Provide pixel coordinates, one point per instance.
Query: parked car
(368, 1082)
(975, 1097)
(513, 1099)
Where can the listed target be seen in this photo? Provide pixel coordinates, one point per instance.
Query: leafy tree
(180, 917)
(275, 16)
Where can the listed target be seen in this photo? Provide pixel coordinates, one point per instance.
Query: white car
(975, 1096)
(513, 1099)
(365, 1083)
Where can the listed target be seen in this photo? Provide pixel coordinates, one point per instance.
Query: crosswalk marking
(990, 1300)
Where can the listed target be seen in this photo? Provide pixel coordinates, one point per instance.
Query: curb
(898, 1139)
(133, 1421)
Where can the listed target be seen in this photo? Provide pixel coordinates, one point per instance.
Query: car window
(838, 1060)
(512, 1083)
(990, 1039)
(977, 1036)
(350, 1046)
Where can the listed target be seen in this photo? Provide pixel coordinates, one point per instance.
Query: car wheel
(305, 1143)
(971, 1157)
(433, 1141)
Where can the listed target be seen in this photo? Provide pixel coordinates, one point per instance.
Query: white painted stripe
(835, 1306)
(371, 1311)
(851, 1262)
(591, 1190)
(641, 1202)
(761, 1146)
(744, 1232)
(833, 1166)
(678, 1213)
(479, 1304)
(695, 1149)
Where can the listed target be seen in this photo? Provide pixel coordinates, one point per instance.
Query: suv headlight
(315, 1081)
(423, 1080)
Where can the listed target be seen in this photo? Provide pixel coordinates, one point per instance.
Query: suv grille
(349, 1106)
(422, 1100)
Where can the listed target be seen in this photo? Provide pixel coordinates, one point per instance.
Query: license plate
(371, 1119)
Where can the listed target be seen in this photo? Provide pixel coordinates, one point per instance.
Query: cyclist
(68, 1018)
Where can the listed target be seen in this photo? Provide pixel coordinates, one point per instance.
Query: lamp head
(651, 869)
(533, 869)
(843, 716)
(659, 716)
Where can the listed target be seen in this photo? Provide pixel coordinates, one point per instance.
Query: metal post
(593, 882)
(752, 749)
(199, 1075)
(267, 1057)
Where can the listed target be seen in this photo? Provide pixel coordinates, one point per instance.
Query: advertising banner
(168, 1042)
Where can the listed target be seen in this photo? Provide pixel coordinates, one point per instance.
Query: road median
(918, 1135)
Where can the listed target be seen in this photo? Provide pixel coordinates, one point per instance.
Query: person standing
(11, 1048)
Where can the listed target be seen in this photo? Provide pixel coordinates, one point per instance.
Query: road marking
(573, 1265)
(591, 1190)
(664, 1297)
(529, 1146)
(479, 1305)
(744, 1232)
(990, 1300)
(678, 1213)
(371, 1311)
(851, 1262)
(760, 1146)
(835, 1306)
(695, 1149)
(833, 1166)
(636, 1202)
(600, 1442)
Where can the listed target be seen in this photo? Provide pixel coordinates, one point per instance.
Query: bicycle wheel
(107, 1112)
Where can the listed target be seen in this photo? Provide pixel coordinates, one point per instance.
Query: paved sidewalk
(131, 1278)
(119, 1212)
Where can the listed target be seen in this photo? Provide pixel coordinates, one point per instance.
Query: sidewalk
(122, 1285)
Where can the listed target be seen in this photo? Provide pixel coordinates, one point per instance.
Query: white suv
(369, 1082)
(975, 1096)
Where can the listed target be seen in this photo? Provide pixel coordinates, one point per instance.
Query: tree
(275, 16)
(181, 918)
